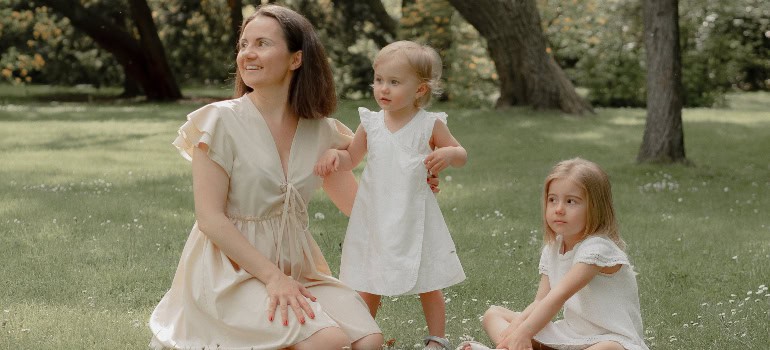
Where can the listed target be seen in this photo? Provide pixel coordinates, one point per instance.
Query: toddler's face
(396, 87)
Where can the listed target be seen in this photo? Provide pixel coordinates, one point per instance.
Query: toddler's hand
(439, 160)
(328, 163)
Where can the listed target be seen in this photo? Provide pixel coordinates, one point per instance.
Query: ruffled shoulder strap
(600, 251)
(369, 119)
(433, 116)
(207, 125)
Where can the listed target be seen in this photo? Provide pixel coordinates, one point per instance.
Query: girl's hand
(515, 341)
(328, 163)
(285, 292)
(439, 159)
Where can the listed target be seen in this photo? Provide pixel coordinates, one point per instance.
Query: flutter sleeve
(368, 118)
(600, 251)
(206, 125)
(433, 116)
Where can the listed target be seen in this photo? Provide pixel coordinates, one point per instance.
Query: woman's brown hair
(311, 92)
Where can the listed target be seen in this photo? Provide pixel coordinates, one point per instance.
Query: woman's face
(264, 60)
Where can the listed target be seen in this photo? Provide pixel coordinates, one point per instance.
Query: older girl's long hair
(595, 184)
(311, 92)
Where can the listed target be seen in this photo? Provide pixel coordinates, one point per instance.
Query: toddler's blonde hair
(595, 184)
(423, 59)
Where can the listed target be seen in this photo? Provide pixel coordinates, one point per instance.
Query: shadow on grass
(32, 103)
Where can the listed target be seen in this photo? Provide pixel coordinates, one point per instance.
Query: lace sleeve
(600, 251)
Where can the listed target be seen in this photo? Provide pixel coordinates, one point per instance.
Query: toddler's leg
(372, 301)
(435, 313)
(496, 320)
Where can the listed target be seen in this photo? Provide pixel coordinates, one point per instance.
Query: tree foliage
(39, 46)
(725, 45)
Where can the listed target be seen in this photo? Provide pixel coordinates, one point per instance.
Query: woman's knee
(327, 338)
(369, 342)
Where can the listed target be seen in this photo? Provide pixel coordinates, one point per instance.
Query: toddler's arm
(447, 151)
(343, 159)
(544, 310)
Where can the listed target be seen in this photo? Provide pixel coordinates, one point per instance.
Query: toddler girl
(397, 241)
(583, 270)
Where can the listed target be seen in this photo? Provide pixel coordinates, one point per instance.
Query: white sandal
(444, 342)
(474, 345)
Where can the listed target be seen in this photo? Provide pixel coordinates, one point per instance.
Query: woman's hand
(285, 292)
(433, 182)
(328, 163)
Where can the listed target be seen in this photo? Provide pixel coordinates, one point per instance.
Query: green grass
(95, 206)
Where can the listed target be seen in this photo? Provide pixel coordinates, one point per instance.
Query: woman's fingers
(284, 311)
(271, 309)
(295, 305)
(306, 293)
(306, 307)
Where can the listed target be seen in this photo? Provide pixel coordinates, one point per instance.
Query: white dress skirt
(397, 241)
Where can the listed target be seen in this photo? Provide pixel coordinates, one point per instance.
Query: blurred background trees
(598, 43)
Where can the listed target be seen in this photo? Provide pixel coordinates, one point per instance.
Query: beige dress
(212, 303)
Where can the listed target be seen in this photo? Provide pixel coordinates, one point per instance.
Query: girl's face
(263, 57)
(396, 86)
(566, 209)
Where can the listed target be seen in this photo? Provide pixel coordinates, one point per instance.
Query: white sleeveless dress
(397, 241)
(607, 309)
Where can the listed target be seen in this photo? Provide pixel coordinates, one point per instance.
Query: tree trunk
(663, 140)
(356, 12)
(236, 20)
(143, 60)
(156, 65)
(516, 43)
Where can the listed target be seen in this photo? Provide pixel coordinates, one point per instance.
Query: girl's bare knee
(495, 312)
(327, 338)
(369, 342)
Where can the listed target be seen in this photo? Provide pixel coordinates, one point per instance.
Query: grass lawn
(95, 206)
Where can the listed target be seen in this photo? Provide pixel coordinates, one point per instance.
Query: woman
(251, 276)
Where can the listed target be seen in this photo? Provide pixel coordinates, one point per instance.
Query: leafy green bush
(601, 46)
